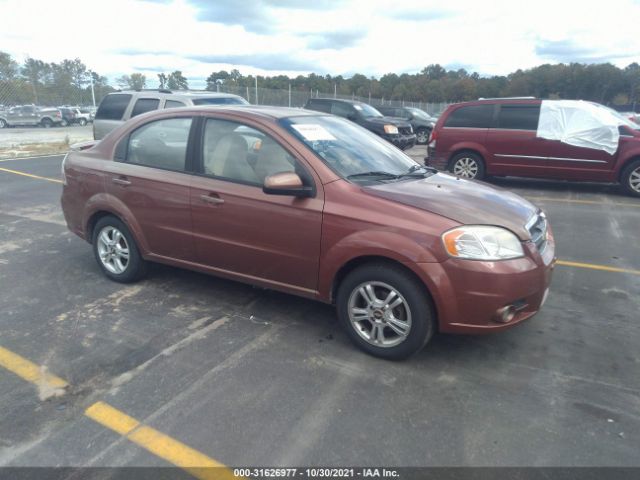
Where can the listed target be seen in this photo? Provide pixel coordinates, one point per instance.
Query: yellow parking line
(197, 464)
(161, 445)
(593, 266)
(29, 371)
(585, 202)
(15, 172)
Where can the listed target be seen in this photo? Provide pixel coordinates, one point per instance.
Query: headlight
(391, 129)
(478, 242)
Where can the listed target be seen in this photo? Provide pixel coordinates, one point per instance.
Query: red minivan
(502, 137)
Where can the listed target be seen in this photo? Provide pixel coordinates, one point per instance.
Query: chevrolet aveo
(313, 205)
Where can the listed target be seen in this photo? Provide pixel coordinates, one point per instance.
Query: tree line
(69, 82)
(66, 83)
(604, 83)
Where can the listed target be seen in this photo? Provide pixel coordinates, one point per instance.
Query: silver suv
(118, 107)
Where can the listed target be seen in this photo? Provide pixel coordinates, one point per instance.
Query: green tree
(176, 81)
(8, 67)
(135, 81)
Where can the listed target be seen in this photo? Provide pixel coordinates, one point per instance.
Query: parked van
(527, 137)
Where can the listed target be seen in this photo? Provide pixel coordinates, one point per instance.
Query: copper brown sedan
(316, 206)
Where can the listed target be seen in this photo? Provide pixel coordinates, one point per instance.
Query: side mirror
(286, 183)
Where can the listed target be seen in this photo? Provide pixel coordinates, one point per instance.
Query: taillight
(432, 138)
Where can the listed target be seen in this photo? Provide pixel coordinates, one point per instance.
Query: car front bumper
(470, 295)
(403, 142)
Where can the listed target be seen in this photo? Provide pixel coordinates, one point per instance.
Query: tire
(3, 123)
(64, 123)
(46, 123)
(371, 324)
(82, 122)
(467, 165)
(630, 179)
(422, 136)
(111, 239)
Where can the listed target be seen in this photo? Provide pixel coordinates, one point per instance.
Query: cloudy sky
(270, 37)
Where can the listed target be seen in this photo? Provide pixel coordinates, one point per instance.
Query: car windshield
(367, 110)
(220, 101)
(420, 114)
(625, 120)
(351, 151)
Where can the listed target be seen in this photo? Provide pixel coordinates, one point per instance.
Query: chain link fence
(297, 98)
(22, 92)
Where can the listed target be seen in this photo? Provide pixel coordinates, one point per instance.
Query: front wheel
(64, 123)
(467, 165)
(631, 178)
(385, 311)
(422, 136)
(116, 251)
(3, 123)
(46, 123)
(82, 122)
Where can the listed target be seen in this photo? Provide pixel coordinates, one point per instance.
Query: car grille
(537, 227)
(405, 130)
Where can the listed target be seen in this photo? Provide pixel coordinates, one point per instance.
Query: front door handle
(121, 181)
(213, 198)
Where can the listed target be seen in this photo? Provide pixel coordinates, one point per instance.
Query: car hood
(398, 122)
(464, 201)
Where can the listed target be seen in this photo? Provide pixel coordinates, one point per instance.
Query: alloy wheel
(466, 167)
(113, 250)
(634, 180)
(379, 314)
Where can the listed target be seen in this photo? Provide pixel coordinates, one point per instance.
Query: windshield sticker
(313, 132)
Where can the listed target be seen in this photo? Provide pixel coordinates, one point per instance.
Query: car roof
(182, 93)
(484, 101)
(261, 110)
(352, 102)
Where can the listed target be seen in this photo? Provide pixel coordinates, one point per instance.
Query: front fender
(369, 243)
(105, 202)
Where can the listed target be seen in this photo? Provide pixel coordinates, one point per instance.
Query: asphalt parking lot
(253, 377)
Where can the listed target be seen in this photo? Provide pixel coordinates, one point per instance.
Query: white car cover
(580, 123)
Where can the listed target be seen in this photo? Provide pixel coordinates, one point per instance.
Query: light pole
(93, 93)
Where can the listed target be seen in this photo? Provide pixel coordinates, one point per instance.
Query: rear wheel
(631, 178)
(46, 123)
(385, 311)
(116, 251)
(82, 122)
(422, 136)
(467, 165)
(64, 123)
(3, 123)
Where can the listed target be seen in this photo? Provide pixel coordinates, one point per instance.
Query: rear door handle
(212, 198)
(121, 181)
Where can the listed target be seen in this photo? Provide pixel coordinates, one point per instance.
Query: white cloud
(371, 37)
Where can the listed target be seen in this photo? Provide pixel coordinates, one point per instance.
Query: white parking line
(34, 156)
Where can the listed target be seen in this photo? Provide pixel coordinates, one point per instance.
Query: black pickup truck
(394, 130)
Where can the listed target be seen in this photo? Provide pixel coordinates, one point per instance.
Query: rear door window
(519, 117)
(113, 107)
(145, 105)
(320, 106)
(472, 116)
(173, 104)
(342, 109)
(160, 144)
